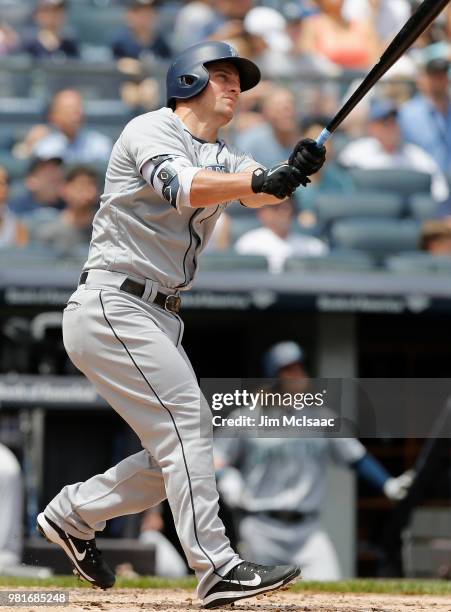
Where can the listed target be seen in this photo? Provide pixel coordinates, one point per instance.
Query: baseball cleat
(83, 554)
(249, 580)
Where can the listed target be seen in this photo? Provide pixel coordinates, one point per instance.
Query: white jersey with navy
(146, 229)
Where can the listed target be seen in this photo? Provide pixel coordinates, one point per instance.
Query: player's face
(223, 90)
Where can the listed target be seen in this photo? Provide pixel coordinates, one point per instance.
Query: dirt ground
(178, 600)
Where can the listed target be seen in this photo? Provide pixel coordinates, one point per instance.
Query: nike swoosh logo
(79, 556)
(254, 582)
(276, 169)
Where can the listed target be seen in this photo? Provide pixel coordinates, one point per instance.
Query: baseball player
(168, 180)
(278, 486)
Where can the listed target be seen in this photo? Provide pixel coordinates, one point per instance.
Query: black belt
(287, 516)
(172, 303)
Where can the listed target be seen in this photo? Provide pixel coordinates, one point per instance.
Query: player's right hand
(280, 181)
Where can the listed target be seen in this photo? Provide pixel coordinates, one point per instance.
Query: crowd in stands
(312, 54)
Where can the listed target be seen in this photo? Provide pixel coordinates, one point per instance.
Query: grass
(390, 587)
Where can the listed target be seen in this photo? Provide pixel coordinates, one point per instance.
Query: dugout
(374, 325)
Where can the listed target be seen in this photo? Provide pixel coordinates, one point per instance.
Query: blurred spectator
(141, 36)
(43, 186)
(426, 119)
(273, 141)
(192, 20)
(384, 148)
(9, 40)
(388, 15)
(279, 36)
(23, 149)
(352, 45)
(168, 562)
(332, 178)
(436, 237)
(12, 231)
(276, 239)
(49, 38)
(72, 227)
(221, 20)
(70, 140)
(11, 494)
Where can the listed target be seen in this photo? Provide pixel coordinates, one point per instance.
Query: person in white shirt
(390, 15)
(276, 240)
(385, 148)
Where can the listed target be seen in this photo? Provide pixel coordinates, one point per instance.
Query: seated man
(73, 226)
(70, 139)
(49, 38)
(276, 239)
(141, 36)
(426, 119)
(385, 148)
(43, 186)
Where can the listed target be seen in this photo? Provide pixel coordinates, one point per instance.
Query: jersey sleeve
(346, 451)
(153, 135)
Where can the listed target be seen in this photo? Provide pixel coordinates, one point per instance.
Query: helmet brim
(250, 74)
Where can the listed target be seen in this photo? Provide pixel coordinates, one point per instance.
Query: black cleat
(248, 580)
(83, 554)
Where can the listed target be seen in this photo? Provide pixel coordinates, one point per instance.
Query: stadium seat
(96, 25)
(422, 207)
(395, 180)
(232, 261)
(378, 237)
(331, 207)
(21, 110)
(16, 76)
(94, 80)
(336, 261)
(423, 263)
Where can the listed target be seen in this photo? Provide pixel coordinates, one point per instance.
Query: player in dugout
(277, 487)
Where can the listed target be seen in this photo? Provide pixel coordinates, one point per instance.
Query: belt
(171, 303)
(287, 516)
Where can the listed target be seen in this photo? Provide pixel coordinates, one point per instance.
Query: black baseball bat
(416, 25)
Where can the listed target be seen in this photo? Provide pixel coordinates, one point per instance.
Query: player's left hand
(307, 156)
(396, 489)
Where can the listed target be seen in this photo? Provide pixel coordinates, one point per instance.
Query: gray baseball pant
(130, 349)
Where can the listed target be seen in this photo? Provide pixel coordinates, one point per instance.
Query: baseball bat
(416, 25)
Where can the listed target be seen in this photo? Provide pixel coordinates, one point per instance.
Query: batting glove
(308, 157)
(280, 181)
(396, 489)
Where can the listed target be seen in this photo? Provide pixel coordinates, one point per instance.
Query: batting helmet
(188, 76)
(281, 355)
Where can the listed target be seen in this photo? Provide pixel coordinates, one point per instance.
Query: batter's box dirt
(179, 600)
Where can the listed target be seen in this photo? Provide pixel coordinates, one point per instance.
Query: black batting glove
(308, 157)
(280, 181)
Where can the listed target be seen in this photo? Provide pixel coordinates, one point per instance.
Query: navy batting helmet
(188, 75)
(281, 355)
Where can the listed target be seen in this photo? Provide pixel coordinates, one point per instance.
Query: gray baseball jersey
(138, 232)
(285, 474)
